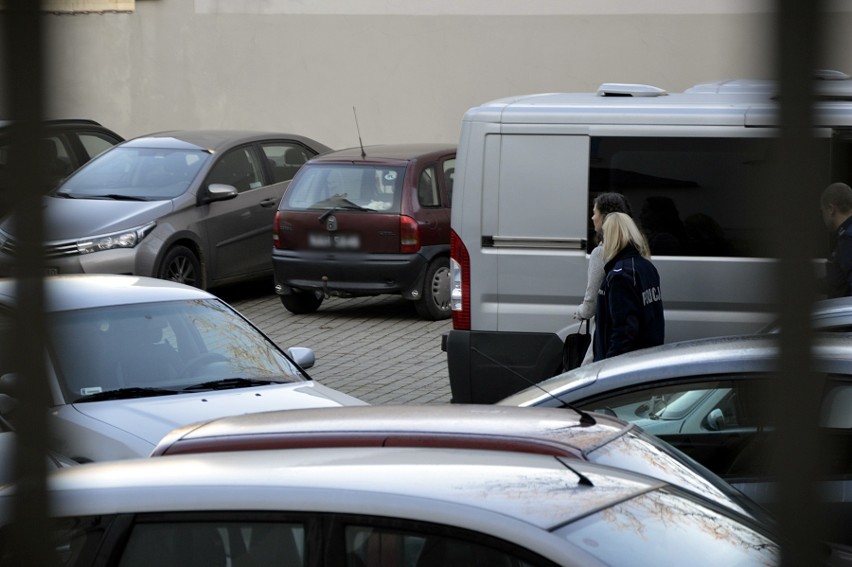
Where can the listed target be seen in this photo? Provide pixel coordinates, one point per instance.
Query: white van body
(528, 170)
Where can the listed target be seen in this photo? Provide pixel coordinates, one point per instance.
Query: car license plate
(336, 241)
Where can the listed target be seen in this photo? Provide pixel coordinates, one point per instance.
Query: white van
(528, 170)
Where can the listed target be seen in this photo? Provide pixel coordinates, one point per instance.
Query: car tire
(180, 264)
(435, 303)
(301, 302)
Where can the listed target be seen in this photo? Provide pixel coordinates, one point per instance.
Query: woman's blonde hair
(618, 231)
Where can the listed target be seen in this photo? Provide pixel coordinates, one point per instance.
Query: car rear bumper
(349, 273)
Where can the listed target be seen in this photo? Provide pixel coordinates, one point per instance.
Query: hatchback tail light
(277, 239)
(409, 235)
(459, 283)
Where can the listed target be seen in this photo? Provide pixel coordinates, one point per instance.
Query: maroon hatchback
(367, 221)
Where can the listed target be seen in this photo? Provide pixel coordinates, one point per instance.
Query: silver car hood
(70, 219)
(151, 418)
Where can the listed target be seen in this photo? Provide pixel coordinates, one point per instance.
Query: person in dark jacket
(836, 205)
(629, 313)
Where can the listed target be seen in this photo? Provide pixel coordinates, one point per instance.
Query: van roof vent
(629, 89)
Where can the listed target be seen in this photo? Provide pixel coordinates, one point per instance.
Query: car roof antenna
(358, 129)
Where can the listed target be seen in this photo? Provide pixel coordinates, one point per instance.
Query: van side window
(695, 196)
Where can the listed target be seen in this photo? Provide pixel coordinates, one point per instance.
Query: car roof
(86, 291)
(715, 355)
(419, 483)
(60, 122)
(544, 430)
(389, 153)
(216, 140)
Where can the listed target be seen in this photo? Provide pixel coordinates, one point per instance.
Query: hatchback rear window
(343, 186)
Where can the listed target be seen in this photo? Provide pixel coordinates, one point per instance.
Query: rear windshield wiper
(229, 383)
(126, 394)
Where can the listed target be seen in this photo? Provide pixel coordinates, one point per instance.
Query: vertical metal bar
(24, 85)
(796, 404)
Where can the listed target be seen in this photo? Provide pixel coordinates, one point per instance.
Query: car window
(837, 404)
(71, 541)
(347, 187)
(284, 159)
(449, 167)
(238, 168)
(96, 143)
(693, 407)
(366, 545)
(427, 188)
(210, 543)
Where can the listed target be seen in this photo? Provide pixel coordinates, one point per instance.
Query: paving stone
(375, 348)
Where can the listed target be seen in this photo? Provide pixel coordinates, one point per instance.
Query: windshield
(668, 527)
(162, 348)
(145, 174)
(640, 452)
(346, 186)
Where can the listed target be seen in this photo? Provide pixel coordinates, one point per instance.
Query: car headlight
(125, 239)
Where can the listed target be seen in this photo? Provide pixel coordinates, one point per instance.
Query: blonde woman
(629, 313)
(604, 204)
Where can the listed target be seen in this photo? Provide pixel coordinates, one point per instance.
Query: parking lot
(375, 348)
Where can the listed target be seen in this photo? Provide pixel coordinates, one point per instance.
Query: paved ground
(376, 349)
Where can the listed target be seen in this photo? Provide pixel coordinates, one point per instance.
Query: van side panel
(541, 230)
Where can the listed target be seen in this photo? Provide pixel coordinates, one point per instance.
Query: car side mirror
(220, 192)
(716, 420)
(303, 356)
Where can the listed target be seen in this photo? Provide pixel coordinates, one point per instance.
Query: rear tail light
(277, 238)
(409, 235)
(459, 283)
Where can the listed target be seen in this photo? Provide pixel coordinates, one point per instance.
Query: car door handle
(266, 203)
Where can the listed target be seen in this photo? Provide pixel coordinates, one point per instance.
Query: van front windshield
(346, 186)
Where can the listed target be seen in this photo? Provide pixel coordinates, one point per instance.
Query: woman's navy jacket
(629, 313)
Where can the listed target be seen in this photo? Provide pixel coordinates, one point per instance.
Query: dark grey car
(66, 145)
(190, 206)
(709, 398)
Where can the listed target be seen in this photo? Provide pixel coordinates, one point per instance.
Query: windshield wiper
(228, 383)
(118, 197)
(126, 394)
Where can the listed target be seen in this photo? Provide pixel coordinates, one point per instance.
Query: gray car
(191, 206)
(130, 358)
(708, 398)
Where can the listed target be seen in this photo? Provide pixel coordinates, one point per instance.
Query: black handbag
(575, 347)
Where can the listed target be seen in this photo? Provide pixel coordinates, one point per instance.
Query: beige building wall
(410, 67)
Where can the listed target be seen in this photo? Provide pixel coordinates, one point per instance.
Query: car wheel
(181, 265)
(435, 303)
(301, 302)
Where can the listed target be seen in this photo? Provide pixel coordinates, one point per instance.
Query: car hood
(151, 418)
(69, 219)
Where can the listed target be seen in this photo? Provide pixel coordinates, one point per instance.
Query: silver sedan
(709, 398)
(383, 506)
